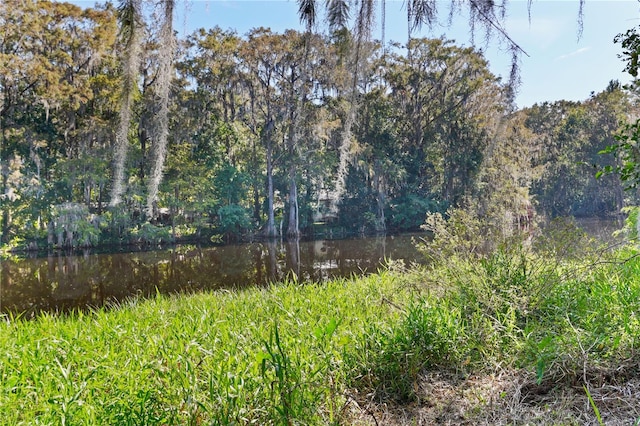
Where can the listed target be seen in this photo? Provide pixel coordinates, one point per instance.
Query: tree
(487, 13)
(627, 145)
(570, 135)
(502, 189)
(261, 58)
(56, 77)
(447, 104)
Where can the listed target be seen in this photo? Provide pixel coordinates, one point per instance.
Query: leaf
(318, 332)
(331, 327)
(540, 365)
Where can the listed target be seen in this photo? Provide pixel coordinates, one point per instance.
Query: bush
(73, 226)
(152, 234)
(233, 220)
(409, 211)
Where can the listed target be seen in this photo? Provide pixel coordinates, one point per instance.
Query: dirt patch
(508, 398)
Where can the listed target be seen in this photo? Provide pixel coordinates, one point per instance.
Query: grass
(311, 354)
(554, 325)
(263, 356)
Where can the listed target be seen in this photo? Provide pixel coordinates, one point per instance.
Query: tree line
(228, 135)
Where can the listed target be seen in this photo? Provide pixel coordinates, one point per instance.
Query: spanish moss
(161, 125)
(130, 16)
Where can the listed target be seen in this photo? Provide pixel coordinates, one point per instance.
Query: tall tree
(488, 14)
(261, 58)
(55, 77)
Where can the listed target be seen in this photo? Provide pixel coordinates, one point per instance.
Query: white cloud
(574, 53)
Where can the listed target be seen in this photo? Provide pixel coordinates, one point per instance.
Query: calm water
(62, 282)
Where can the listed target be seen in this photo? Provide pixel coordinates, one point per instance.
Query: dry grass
(510, 398)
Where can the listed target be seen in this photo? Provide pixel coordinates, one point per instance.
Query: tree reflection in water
(61, 282)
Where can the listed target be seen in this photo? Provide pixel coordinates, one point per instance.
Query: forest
(113, 136)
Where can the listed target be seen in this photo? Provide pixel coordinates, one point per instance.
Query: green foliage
(461, 233)
(296, 390)
(230, 185)
(630, 42)
(593, 405)
(149, 233)
(409, 212)
(627, 149)
(233, 219)
(630, 228)
(568, 138)
(73, 226)
(119, 224)
(554, 308)
(389, 361)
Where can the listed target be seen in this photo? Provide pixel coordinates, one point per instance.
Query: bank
(514, 338)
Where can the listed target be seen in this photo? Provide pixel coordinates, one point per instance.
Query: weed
(281, 374)
(593, 405)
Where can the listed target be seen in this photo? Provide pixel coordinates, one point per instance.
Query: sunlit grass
(193, 360)
(571, 324)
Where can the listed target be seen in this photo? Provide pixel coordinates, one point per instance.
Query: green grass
(571, 323)
(291, 353)
(267, 356)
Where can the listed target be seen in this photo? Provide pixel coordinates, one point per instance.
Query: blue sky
(559, 65)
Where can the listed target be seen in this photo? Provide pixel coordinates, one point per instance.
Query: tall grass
(259, 356)
(563, 308)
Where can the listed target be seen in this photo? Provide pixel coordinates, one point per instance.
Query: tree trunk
(270, 231)
(256, 192)
(142, 135)
(381, 225)
(293, 230)
(4, 173)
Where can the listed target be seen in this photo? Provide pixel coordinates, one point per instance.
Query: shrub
(233, 220)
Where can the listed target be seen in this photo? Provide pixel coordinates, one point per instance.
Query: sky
(560, 63)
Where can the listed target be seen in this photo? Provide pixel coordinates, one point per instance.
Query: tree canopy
(270, 133)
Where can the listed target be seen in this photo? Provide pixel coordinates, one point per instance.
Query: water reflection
(63, 282)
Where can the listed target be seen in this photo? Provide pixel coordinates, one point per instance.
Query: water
(59, 283)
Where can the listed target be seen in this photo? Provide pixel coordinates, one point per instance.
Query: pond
(59, 282)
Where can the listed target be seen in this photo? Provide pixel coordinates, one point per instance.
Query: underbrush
(562, 311)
